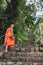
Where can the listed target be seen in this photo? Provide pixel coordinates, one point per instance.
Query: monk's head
(12, 25)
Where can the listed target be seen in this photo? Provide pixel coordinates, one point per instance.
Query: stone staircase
(21, 56)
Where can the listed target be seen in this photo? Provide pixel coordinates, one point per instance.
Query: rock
(10, 63)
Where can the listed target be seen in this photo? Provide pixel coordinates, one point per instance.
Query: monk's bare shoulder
(8, 29)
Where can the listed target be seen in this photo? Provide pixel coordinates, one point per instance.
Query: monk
(9, 40)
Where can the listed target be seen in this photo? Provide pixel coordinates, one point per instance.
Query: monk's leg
(11, 48)
(6, 49)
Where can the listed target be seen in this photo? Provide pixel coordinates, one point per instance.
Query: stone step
(41, 48)
(18, 49)
(22, 59)
(21, 56)
(20, 63)
(21, 53)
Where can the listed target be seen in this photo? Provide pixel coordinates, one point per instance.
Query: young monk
(9, 38)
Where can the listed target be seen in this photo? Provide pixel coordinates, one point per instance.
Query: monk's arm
(12, 33)
(6, 48)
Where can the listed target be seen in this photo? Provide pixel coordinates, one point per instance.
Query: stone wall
(19, 63)
(21, 58)
(21, 55)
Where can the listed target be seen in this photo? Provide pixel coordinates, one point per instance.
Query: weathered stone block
(21, 54)
(4, 63)
(10, 63)
(19, 63)
(0, 63)
(23, 49)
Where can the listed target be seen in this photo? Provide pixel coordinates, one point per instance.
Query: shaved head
(12, 25)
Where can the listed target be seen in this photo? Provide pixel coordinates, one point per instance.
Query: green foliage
(3, 4)
(37, 39)
(20, 33)
(40, 20)
(30, 12)
(20, 14)
(14, 59)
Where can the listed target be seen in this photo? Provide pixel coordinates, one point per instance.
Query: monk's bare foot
(6, 51)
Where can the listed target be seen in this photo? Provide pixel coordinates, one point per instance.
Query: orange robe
(9, 41)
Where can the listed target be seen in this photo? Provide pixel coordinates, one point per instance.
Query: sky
(38, 13)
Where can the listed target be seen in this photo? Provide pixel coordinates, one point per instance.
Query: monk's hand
(13, 37)
(12, 33)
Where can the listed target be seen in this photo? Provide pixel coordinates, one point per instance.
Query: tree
(30, 12)
(21, 15)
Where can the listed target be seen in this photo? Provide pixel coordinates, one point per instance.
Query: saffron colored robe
(9, 41)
